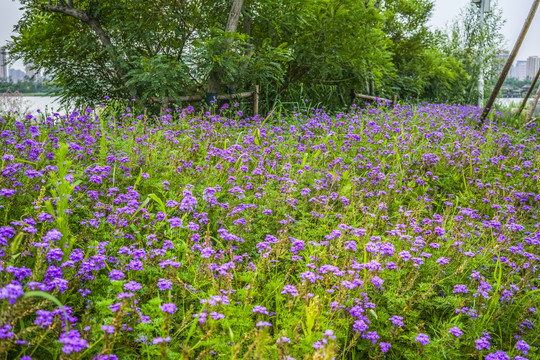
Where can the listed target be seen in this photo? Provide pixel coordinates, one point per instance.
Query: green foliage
(154, 51)
(472, 44)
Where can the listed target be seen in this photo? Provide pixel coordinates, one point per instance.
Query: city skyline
(525, 69)
(15, 75)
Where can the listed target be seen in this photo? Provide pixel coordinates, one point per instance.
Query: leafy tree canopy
(157, 50)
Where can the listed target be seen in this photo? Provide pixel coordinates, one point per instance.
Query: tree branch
(94, 25)
(83, 16)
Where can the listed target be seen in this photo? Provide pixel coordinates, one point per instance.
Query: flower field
(383, 233)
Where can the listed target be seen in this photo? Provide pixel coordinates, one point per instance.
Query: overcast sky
(514, 11)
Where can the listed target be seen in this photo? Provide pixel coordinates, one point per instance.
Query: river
(51, 104)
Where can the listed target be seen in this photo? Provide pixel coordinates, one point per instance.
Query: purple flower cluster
(246, 232)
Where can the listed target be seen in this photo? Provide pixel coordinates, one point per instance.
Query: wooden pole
(510, 61)
(524, 103)
(353, 96)
(256, 100)
(533, 107)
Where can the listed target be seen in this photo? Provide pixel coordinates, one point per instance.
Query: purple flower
(264, 324)
(5, 332)
(7, 192)
(72, 342)
(523, 346)
(397, 320)
(482, 343)
(460, 289)
(116, 275)
(283, 339)
(377, 281)
(372, 335)
(289, 289)
(53, 235)
(159, 340)
(216, 316)
(168, 308)
(175, 222)
(422, 338)
(443, 261)
(164, 284)
(108, 329)
(260, 310)
(11, 292)
(55, 254)
(189, 202)
(360, 326)
(104, 357)
(385, 346)
(44, 318)
(329, 333)
(499, 355)
(132, 286)
(456, 331)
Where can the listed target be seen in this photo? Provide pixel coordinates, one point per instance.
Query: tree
(214, 81)
(295, 49)
(473, 45)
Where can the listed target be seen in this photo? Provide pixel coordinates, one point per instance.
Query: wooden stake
(509, 61)
(256, 100)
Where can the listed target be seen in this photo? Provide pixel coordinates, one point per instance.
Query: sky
(514, 12)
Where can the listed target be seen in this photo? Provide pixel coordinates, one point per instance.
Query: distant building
(533, 63)
(521, 70)
(32, 72)
(3, 64)
(503, 56)
(16, 75)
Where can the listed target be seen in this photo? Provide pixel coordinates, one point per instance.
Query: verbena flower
(397, 320)
(164, 284)
(132, 286)
(72, 342)
(456, 331)
(168, 308)
(422, 339)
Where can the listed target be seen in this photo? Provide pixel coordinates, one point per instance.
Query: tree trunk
(214, 81)
(248, 53)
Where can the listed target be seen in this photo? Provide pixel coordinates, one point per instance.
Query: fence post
(256, 100)
(353, 97)
(394, 99)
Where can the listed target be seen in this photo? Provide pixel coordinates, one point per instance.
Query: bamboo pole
(510, 61)
(524, 103)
